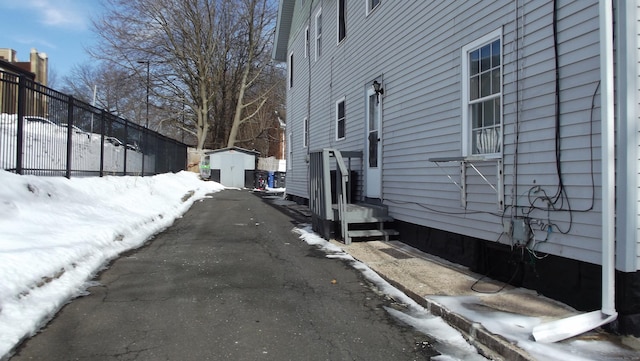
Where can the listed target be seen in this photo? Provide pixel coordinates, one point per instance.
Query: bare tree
(262, 130)
(257, 17)
(176, 40)
(117, 91)
(196, 53)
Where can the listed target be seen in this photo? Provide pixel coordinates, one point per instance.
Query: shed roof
(232, 149)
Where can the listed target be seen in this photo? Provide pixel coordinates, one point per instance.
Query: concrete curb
(488, 344)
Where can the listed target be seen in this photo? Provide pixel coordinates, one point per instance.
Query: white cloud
(60, 13)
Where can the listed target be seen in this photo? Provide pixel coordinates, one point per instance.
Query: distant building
(38, 64)
(35, 70)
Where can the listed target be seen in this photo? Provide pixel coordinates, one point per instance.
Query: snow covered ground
(57, 233)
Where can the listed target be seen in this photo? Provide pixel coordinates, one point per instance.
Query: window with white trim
(290, 68)
(318, 39)
(340, 119)
(371, 5)
(482, 96)
(305, 133)
(290, 151)
(342, 19)
(306, 42)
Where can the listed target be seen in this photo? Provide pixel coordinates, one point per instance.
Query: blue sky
(59, 28)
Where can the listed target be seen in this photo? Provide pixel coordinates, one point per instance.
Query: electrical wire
(557, 201)
(504, 284)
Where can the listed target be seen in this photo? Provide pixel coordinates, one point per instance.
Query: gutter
(572, 326)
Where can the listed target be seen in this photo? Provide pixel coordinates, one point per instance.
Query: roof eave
(283, 29)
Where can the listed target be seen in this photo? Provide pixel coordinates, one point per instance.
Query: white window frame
(369, 7)
(306, 42)
(318, 35)
(344, 120)
(290, 71)
(305, 132)
(466, 103)
(338, 40)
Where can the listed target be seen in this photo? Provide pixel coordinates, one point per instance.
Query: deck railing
(321, 192)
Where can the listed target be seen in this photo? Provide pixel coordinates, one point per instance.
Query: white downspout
(572, 326)
(608, 158)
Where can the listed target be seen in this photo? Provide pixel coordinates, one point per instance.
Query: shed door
(373, 148)
(232, 170)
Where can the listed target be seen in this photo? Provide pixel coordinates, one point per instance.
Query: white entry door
(373, 148)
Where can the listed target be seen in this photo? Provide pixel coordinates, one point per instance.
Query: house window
(340, 119)
(482, 96)
(306, 42)
(290, 67)
(305, 133)
(342, 20)
(318, 34)
(290, 153)
(372, 4)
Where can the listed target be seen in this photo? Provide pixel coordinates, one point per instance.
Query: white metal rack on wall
(469, 162)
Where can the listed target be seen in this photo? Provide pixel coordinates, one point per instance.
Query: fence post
(69, 137)
(143, 148)
(102, 120)
(126, 142)
(22, 94)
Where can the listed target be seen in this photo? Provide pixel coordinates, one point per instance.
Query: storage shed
(233, 167)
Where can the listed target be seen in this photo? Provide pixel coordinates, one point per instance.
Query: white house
(482, 128)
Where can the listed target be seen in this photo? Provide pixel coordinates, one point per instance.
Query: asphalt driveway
(228, 281)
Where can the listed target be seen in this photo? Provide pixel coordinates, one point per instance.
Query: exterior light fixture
(377, 87)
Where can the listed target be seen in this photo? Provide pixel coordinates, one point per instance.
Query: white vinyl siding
(423, 110)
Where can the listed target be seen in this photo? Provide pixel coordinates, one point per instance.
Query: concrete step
(364, 213)
(373, 233)
(360, 218)
(366, 221)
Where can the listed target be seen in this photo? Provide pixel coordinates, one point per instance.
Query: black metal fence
(45, 132)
